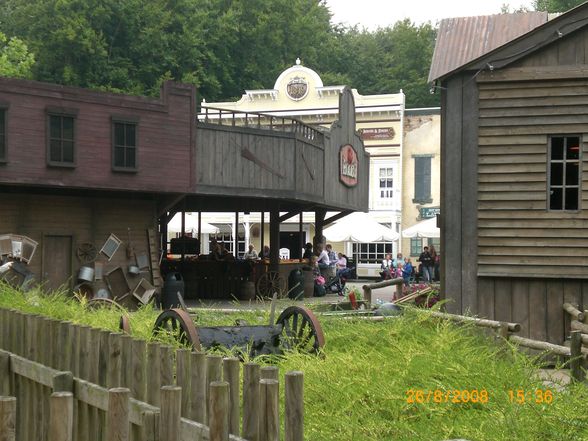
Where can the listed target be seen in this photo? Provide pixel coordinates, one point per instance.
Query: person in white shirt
(387, 265)
(251, 254)
(323, 259)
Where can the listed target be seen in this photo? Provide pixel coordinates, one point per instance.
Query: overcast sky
(374, 13)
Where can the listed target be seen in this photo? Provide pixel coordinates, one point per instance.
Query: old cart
(295, 329)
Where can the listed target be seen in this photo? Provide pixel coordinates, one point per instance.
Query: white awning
(426, 228)
(191, 225)
(359, 227)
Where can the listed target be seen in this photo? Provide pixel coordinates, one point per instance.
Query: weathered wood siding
(459, 150)
(518, 236)
(534, 303)
(85, 219)
(164, 137)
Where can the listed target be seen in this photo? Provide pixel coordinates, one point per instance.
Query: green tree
(15, 59)
(556, 5)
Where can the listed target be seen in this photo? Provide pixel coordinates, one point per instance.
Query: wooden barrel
(247, 291)
(308, 283)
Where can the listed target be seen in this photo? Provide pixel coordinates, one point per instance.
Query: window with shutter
(422, 180)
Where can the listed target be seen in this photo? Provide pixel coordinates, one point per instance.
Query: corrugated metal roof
(463, 39)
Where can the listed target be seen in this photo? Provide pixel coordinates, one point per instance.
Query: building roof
(464, 39)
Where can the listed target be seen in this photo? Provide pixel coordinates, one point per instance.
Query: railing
(144, 385)
(212, 115)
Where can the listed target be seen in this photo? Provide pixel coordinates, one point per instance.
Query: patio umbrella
(426, 228)
(359, 227)
(175, 225)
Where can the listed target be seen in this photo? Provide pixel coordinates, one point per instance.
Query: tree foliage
(221, 46)
(15, 59)
(556, 5)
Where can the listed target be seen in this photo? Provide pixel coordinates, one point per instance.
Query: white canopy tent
(426, 228)
(359, 227)
(191, 225)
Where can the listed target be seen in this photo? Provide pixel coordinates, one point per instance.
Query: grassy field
(360, 387)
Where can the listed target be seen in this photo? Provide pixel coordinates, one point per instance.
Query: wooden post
(138, 385)
(270, 373)
(274, 239)
(169, 422)
(7, 418)
(153, 373)
(183, 378)
(214, 372)
(198, 387)
(231, 376)
(576, 369)
(113, 376)
(61, 416)
(251, 399)
(167, 365)
(294, 406)
(117, 417)
(4, 374)
(218, 411)
(269, 421)
(367, 294)
(262, 233)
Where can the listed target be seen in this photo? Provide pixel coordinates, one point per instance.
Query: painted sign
(429, 212)
(348, 165)
(374, 134)
(297, 88)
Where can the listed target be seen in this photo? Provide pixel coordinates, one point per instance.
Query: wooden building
(515, 167)
(77, 166)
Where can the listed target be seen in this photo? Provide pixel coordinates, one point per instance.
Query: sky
(381, 13)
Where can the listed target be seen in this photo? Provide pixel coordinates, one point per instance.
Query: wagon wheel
(86, 252)
(300, 330)
(179, 324)
(270, 283)
(100, 302)
(125, 324)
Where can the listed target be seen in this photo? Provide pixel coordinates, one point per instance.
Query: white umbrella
(359, 227)
(191, 225)
(426, 228)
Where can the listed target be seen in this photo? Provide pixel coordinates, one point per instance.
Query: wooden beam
(288, 215)
(170, 203)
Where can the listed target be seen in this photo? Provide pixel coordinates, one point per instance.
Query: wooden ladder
(154, 259)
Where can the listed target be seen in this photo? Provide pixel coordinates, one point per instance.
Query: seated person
(251, 254)
(332, 255)
(407, 270)
(387, 266)
(341, 264)
(307, 252)
(323, 260)
(215, 250)
(265, 254)
(224, 253)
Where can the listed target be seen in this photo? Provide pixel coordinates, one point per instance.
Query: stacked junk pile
(97, 280)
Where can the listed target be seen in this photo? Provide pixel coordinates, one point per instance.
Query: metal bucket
(133, 269)
(86, 273)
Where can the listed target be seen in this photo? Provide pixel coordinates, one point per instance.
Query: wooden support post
(367, 294)
(169, 422)
(269, 422)
(117, 417)
(294, 406)
(198, 386)
(236, 237)
(214, 372)
(218, 411)
(231, 376)
(576, 368)
(300, 235)
(250, 430)
(153, 373)
(262, 234)
(4, 374)
(183, 378)
(7, 419)
(61, 416)
(274, 240)
(269, 373)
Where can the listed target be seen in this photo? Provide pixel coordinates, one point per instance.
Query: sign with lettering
(374, 134)
(348, 165)
(429, 212)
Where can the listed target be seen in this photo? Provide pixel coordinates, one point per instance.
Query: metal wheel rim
(99, 302)
(179, 323)
(300, 329)
(86, 252)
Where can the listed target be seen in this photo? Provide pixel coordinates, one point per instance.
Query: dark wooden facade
(506, 255)
(180, 165)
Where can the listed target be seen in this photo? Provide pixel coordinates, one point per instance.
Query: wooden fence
(142, 391)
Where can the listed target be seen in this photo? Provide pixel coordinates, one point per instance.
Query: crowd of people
(427, 271)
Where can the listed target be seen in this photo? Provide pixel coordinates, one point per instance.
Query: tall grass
(357, 389)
